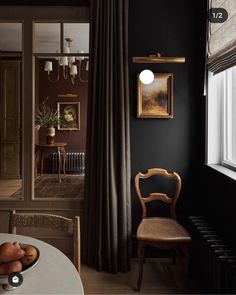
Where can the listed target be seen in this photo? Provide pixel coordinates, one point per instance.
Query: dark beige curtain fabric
(107, 216)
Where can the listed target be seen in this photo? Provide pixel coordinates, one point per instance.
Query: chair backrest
(44, 220)
(158, 196)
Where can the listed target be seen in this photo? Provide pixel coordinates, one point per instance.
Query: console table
(59, 147)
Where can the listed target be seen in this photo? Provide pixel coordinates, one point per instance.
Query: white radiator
(75, 162)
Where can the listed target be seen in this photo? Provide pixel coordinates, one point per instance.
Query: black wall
(218, 202)
(172, 28)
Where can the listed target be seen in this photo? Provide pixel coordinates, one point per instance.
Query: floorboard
(9, 187)
(160, 277)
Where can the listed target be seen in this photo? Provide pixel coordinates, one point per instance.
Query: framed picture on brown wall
(69, 113)
(155, 100)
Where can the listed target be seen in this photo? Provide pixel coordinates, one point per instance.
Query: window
(229, 118)
(221, 102)
(222, 118)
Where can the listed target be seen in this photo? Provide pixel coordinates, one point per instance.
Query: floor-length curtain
(107, 215)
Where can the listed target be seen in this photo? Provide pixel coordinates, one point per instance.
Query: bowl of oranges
(16, 259)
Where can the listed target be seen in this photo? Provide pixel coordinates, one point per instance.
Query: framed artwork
(69, 112)
(155, 100)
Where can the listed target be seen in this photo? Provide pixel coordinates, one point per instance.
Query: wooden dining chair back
(55, 222)
(161, 232)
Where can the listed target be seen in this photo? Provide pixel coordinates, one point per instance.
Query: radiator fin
(213, 260)
(75, 162)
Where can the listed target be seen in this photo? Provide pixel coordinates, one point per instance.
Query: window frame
(219, 94)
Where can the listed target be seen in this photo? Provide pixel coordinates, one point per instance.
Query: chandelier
(71, 66)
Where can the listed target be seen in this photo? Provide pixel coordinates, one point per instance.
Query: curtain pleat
(107, 215)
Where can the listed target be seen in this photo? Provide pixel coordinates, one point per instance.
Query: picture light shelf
(157, 58)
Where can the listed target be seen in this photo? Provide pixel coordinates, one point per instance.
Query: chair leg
(173, 259)
(186, 266)
(186, 259)
(141, 248)
(175, 255)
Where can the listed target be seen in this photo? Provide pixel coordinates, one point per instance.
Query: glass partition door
(10, 110)
(61, 86)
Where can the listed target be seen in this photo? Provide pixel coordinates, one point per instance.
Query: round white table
(54, 273)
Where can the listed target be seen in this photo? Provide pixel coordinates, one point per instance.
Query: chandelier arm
(58, 75)
(73, 80)
(82, 80)
(65, 72)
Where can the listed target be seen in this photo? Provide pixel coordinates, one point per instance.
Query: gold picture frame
(70, 114)
(155, 100)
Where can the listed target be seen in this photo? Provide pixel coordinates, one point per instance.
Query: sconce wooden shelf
(157, 58)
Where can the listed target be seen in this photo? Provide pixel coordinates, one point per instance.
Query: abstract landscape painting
(155, 100)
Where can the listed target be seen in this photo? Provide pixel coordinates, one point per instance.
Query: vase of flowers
(49, 119)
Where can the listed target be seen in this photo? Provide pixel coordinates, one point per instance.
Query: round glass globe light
(146, 77)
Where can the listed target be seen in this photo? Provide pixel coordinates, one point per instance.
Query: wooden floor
(160, 277)
(9, 186)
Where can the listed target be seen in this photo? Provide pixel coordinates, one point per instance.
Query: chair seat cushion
(161, 229)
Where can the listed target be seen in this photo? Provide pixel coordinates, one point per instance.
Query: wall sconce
(68, 64)
(157, 58)
(146, 76)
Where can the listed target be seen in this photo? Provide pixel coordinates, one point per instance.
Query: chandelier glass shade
(71, 65)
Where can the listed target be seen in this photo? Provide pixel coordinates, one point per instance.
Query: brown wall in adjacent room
(76, 140)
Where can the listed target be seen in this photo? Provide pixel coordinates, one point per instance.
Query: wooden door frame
(27, 15)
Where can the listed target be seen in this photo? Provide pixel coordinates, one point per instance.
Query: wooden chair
(161, 232)
(51, 221)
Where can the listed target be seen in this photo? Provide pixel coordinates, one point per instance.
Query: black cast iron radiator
(213, 260)
(75, 162)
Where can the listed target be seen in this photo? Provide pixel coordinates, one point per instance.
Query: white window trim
(214, 122)
(216, 126)
(227, 128)
(224, 170)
